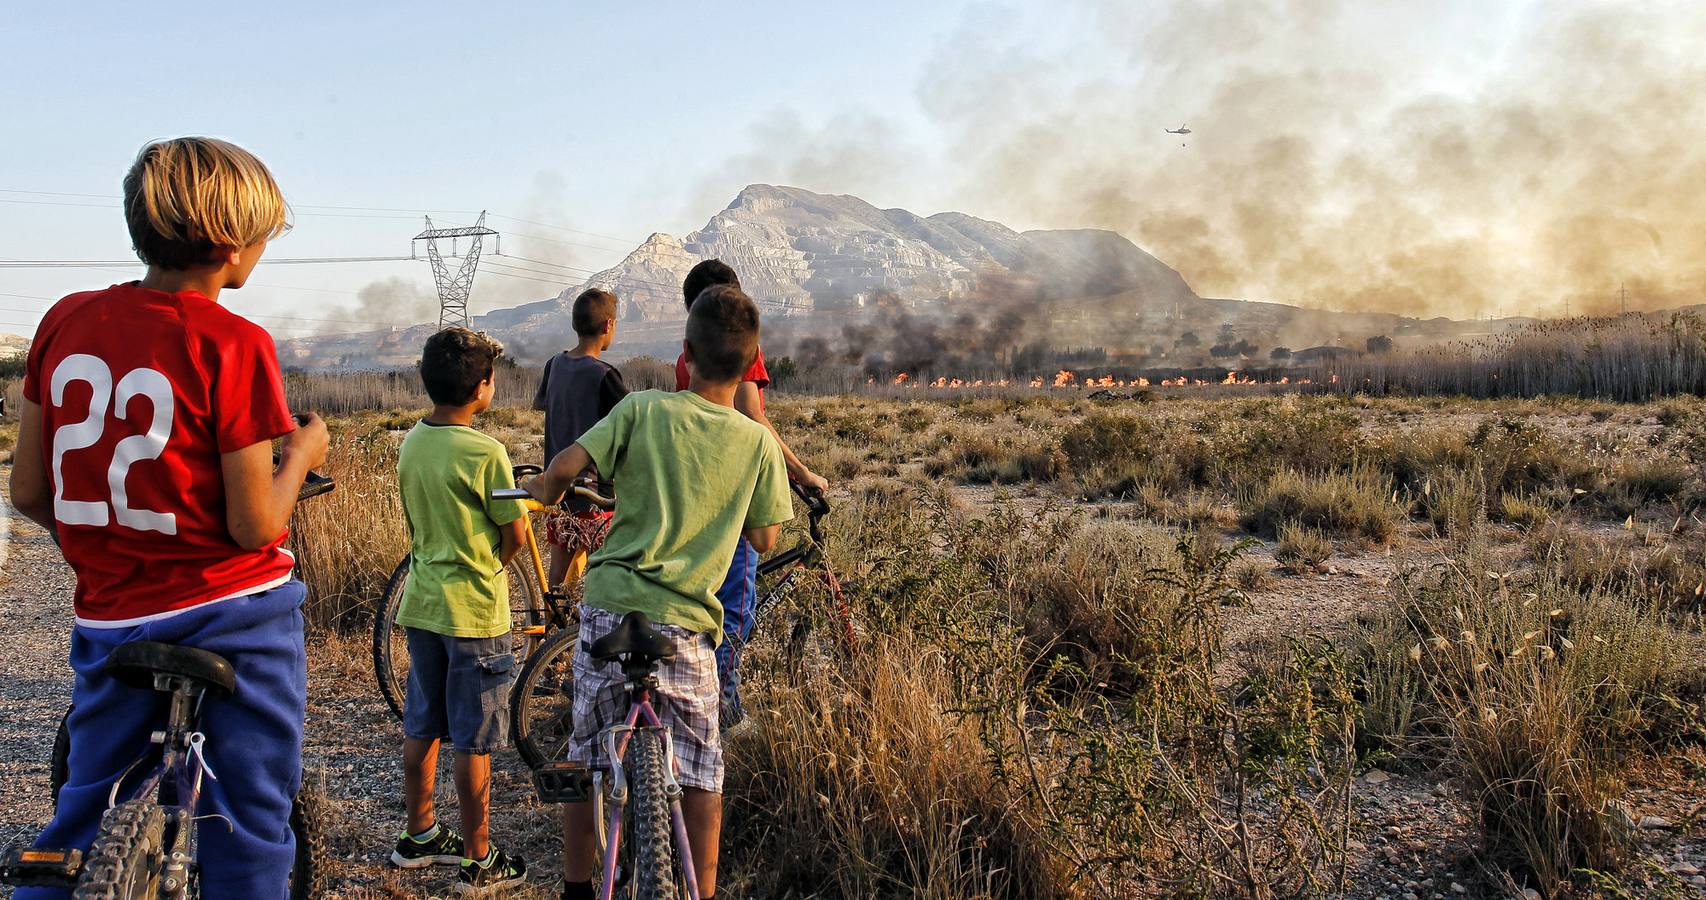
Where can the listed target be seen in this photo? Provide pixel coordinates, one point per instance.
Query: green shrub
(1302, 549)
(1354, 504)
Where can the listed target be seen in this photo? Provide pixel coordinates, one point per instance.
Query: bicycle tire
(542, 703)
(391, 649)
(654, 855)
(59, 768)
(308, 825)
(128, 854)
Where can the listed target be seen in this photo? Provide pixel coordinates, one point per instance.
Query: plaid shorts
(685, 700)
(577, 530)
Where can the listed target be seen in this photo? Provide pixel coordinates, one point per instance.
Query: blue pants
(254, 739)
(739, 597)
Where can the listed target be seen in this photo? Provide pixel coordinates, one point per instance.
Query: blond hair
(187, 198)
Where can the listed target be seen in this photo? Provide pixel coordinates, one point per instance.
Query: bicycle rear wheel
(128, 854)
(542, 702)
(655, 866)
(307, 824)
(528, 624)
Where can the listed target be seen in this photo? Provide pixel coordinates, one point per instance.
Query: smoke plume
(1461, 158)
(1457, 158)
(384, 301)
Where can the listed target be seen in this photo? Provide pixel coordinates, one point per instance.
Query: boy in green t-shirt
(683, 464)
(455, 609)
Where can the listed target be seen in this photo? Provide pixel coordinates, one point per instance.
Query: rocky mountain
(800, 253)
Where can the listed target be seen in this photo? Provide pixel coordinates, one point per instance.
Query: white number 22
(149, 383)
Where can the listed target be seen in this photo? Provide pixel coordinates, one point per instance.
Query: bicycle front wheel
(128, 855)
(542, 702)
(654, 847)
(528, 625)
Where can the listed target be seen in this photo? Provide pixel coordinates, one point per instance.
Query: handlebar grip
(315, 485)
(816, 506)
(511, 494)
(594, 497)
(526, 469)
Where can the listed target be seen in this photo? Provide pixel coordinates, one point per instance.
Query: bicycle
(642, 773)
(145, 847)
(542, 700)
(534, 612)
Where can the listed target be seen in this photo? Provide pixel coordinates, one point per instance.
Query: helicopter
(1180, 130)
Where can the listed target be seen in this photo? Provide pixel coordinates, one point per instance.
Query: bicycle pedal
(40, 867)
(563, 782)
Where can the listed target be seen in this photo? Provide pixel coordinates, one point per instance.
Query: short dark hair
(593, 308)
(708, 273)
(454, 362)
(722, 331)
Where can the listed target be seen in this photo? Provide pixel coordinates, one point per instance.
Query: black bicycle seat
(137, 663)
(636, 639)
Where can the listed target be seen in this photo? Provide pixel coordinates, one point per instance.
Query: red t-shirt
(141, 391)
(757, 374)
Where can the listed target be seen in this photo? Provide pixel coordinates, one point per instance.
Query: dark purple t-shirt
(575, 392)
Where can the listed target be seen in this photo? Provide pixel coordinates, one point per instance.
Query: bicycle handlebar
(313, 485)
(817, 507)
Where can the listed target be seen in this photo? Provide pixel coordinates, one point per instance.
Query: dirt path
(35, 681)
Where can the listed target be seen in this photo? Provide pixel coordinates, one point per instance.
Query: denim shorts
(458, 689)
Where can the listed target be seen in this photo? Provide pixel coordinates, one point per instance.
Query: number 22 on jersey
(141, 382)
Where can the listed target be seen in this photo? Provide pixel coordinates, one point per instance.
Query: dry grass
(1356, 504)
(869, 785)
(1301, 549)
(1531, 691)
(1040, 709)
(1629, 358)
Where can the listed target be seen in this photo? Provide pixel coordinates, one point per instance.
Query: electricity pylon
(453, 290)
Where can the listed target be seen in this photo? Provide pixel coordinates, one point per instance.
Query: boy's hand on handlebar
(537, 488)
(309, 440)
(812, 481)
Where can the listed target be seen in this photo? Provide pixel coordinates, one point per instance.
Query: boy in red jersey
(145, 446)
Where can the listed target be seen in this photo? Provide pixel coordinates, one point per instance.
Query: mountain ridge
(836, 264)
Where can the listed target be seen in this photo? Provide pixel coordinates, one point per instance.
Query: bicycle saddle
(137, 663)
(636, 639)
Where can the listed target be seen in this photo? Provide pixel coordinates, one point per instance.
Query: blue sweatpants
(254, 739)
(739, 597)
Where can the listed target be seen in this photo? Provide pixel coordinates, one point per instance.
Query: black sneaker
(498, 869)
(444, 848)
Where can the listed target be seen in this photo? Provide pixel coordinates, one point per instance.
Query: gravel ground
(35, 682)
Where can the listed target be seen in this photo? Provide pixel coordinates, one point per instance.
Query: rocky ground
(1412, 836)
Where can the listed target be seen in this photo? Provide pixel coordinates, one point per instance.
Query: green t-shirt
(456, 584)
(690, 475)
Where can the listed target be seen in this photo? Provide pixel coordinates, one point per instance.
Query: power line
(123, 263)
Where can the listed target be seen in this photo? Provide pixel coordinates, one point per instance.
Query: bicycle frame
(615, 741)
(553, 594)
(182, 761)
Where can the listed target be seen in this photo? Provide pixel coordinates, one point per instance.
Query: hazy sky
(1429, 157)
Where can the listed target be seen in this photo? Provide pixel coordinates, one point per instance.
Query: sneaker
(498, 869)
(443, 848)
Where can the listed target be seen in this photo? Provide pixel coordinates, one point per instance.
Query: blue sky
(1444, 157)
(610, 118)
